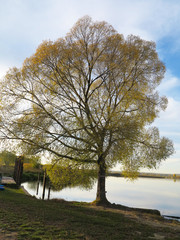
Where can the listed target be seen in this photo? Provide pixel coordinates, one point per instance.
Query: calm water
(161, 194)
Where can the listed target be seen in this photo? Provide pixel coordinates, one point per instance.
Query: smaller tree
(7, 158)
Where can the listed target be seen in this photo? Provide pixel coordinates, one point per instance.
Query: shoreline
(112, 206)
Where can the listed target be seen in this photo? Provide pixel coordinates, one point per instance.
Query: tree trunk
(101, 186)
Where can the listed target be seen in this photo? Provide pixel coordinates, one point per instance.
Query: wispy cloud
(3, 69)
(27, 23)
(171, 116)
(169, 83)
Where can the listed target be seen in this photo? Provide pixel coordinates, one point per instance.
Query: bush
(29, 176)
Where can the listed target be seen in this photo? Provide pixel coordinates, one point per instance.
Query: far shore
(146, 175)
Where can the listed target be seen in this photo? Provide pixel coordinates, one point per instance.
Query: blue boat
(1, 187)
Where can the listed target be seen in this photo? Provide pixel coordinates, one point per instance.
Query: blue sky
(24, 24)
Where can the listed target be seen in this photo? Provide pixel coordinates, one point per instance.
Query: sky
(24, 24)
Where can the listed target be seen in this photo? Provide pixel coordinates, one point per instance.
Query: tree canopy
(88, 99)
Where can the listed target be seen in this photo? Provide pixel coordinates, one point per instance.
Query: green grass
(30, 218)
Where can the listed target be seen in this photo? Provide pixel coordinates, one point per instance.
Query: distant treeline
(148, 175)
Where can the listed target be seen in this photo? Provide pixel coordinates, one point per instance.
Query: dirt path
(153, 220)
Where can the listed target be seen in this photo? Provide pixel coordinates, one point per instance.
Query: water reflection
(161, 194)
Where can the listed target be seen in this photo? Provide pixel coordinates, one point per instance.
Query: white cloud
(3, 69)
(171, 166)
(169, 120)
(169, 83)
(149, 19)
(25, 24)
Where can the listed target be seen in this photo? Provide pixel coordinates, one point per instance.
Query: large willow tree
(88, 99)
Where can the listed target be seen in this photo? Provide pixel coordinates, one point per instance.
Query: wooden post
(44, 184)
(38, 184)
(18, 170)
(49, 190)
(0, 177)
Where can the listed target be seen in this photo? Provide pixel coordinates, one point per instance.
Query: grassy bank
(24, 217)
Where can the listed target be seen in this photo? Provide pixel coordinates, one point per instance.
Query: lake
(152, 193)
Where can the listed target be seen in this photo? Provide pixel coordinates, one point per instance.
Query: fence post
(49, 190)
(38, 184)
(44, 184)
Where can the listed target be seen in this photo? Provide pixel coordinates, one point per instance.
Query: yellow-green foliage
(7, 158)
(64, 176)
(88, 98)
